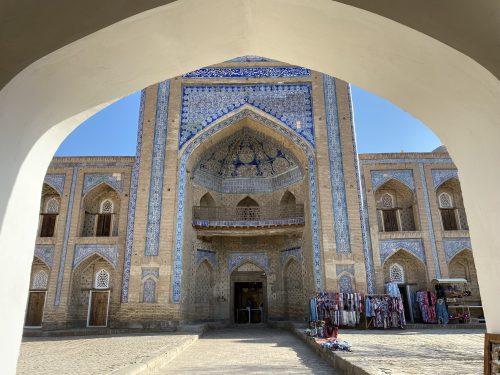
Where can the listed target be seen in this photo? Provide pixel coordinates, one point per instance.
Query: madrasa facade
(246, 191)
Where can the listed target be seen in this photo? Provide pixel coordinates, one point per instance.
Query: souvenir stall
(385, 310)
(330, 310)
(453, 303)
(427, 305)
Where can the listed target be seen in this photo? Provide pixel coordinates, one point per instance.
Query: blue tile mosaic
(294, 252)
(249, 72)
(157, 170)
(45, 253)
(363, 209)
(82, 252)
(289, 103)
(389, 247)
(435, 258)
(440, 176)
(453, 246)
(210, 131)
(67, 228)
(339, 200)
(404, 176)
(209, 255)
(345, 284)
(91, 180)
(56, 181)
(134, 181)
(250, 58)
(234, 260)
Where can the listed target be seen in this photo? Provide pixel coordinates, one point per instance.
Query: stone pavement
(93, 354)
(259, 350)
(252, 350)
(428, 351)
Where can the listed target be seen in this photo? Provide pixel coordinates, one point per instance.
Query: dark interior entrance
(248, 302)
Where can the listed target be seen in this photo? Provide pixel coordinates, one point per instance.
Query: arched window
(445, 201)
(387, 201)
(149, 291)
(102, 279)
(396, 273)
(40, 280)
(52, 206)
(105, 219)
(448, 214)
(49, 217)
(106, 206)
(247, 209)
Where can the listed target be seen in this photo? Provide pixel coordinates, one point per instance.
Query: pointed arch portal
(448, 90)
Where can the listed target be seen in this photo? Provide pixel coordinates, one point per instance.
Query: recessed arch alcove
(451, 92)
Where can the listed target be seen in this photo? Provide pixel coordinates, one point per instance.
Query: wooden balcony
(248, 217)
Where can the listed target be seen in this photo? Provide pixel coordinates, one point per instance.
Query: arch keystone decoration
(405, 176)
(390, 247)
(454, 246)
(260, 259)
(440, 176)
(91, 180)
(45, 253)
(108, 252)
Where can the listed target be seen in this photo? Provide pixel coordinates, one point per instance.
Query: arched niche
(100, 212)
(414, 270)
(451, 205)
(396, 207)
(288, 199)
(207, 200)
(50, 206)
(84, 279)
(462, 266)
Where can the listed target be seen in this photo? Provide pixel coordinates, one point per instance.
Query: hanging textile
(392, 289)
(427, 304)
(341, 309)
(384, 311)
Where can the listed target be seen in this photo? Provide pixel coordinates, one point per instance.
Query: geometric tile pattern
(250, 58)
(339, 200)
(45, 253)
(440, 176)
(389, 247)
(56, 181)
(249, 72)
(427, 204)
(108, 252)
(182, 176)
(294, 252)
(234, 260)
(345, 284)
(134, 181)
(90, 180)
(455, 245)
(405, 176)
(289, 103)
(157, 169)
(209, 255)
(67, 229)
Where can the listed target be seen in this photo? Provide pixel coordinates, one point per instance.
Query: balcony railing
(220, 216)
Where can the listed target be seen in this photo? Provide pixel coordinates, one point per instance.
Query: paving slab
(95, 354)
(248, 351)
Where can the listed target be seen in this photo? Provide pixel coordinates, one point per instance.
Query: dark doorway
(407, 294)
(248, 302)
(98, 309)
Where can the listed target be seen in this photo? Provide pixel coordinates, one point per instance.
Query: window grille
(52, 206)
(40, 280)
(102, 279)
(345, 284)
(445, 201)
(107, 207)
(387, 201)
(396, 273)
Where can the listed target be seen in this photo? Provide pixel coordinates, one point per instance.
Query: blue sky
(380, 127)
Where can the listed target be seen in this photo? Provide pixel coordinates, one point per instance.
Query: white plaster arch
(450, 92)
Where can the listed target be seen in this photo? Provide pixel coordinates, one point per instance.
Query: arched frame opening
(246, 116)
(446, 89)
